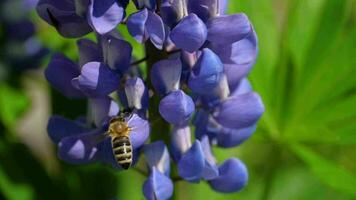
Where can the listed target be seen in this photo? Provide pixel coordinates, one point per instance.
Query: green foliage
(304, 147)
(12, 104)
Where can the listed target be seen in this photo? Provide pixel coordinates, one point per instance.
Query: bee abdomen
(123, 151)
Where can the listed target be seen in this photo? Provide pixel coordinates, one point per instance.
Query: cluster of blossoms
(197, 69)
(20, 49)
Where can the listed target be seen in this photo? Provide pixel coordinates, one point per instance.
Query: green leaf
(328, 172)
(12, 104)
(13, 191)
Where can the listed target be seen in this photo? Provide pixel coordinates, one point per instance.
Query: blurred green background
(305, 145)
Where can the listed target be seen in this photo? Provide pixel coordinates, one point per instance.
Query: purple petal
(238, 58)
(228, 29)
(200, 122)
(233, 176)
(106, 155)
(157, 186)
(191, 165)
(136, 93)
(166, 75)
(190, 34)
(205, 9)
(172, 11)
(59, 127)
(180, 141)
(223, 6)
(117, 54)
(89, 51)
(233, 137)
(140, 130)
(155, 29)
(217, 94)
(97, 80)
(157, 156)
(79, 149)
(136, 25)
(105, 15)
(210, 170)
(240, 111)
(62, 15)
(103, 108)
(60, 72)
(243, 87)
(177, 107)
(206, 73)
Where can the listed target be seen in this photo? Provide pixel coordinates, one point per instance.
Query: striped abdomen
(123, 151)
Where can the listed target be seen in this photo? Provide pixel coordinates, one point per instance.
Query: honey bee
(119, 132)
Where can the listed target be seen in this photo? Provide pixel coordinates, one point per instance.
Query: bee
(119, 132)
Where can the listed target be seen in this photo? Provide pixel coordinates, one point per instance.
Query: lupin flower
(197, 73)
(76, 18)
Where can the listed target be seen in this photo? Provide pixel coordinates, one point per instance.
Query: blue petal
(106, 155)
(240, 111)
(180, 141)
(155, 29)
(238, 58)
(62, 15)
(157, 186)
(105, 15)
(136, 93)
(205, 9)
(217, 94)
(157, 156)
(117, 53)
(206, 73)
(172, 11)
(176, 108)
(103, 108)
(97, 80)
(233, 176)
(59, 127)
(191, 165)
(140, 130)
(190, 34)
(200, 122)
(79, 149)
(221, 31)
(166, 75)
(60, 72)
(233, 137)
(89, 51)
(210, 169)
(223, 6)
(136, 25)
(243, 87)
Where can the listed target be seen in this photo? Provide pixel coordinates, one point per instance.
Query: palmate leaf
(327, 171)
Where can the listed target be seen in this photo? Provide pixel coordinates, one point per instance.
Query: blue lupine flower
(158, 185)
(197, 71)
(79, 143)
(76, 18)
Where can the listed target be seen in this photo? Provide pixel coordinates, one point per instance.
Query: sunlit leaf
(12, 104)
(328, 172)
